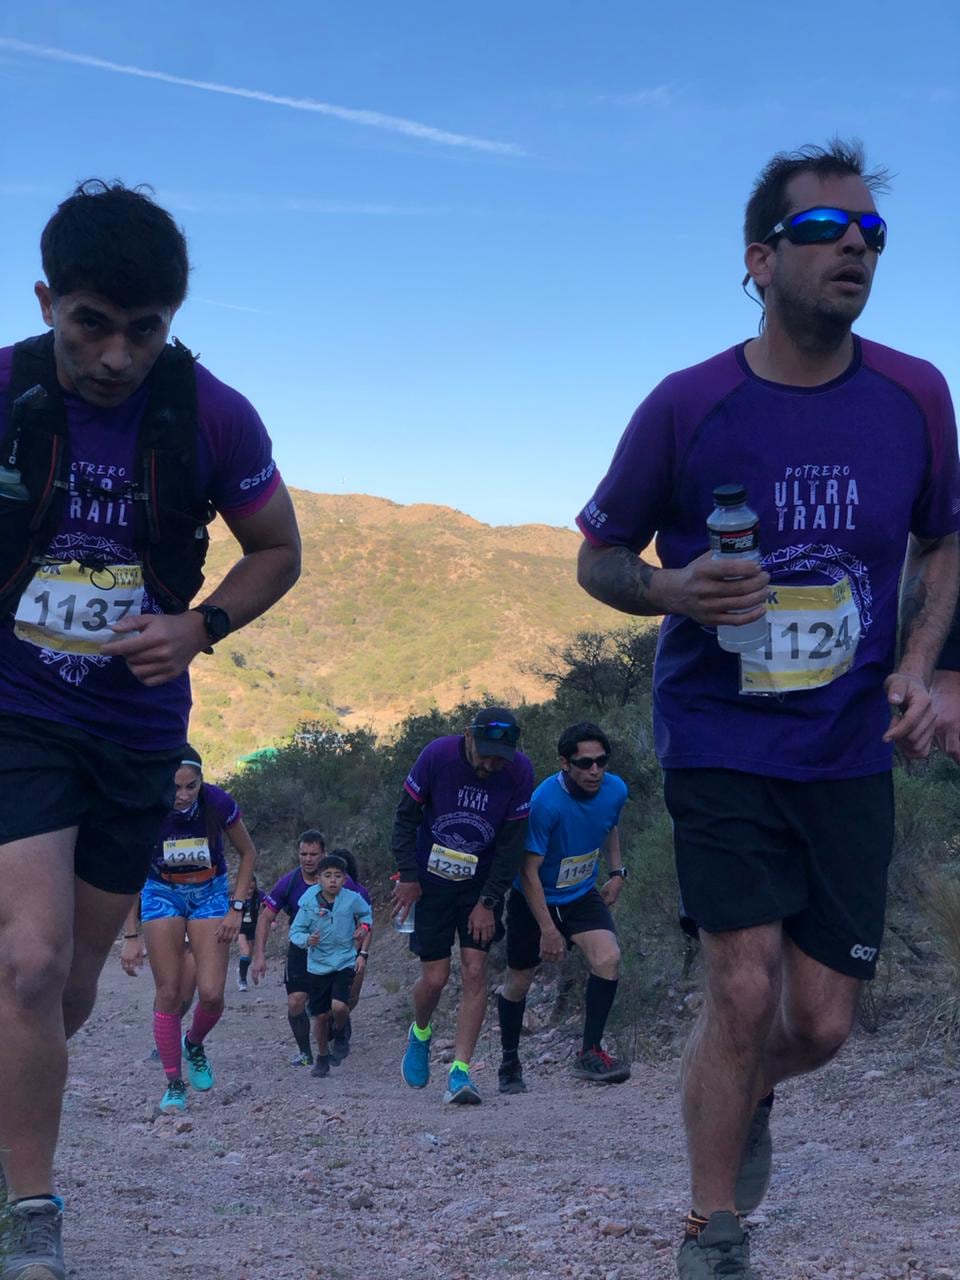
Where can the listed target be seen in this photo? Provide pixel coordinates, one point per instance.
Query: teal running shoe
(198, 1068)
(461, 1089)
(175, 1098)
(415, 1067)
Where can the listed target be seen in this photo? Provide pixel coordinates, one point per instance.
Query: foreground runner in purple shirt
(285, 896)
(458, 838)
(116, 450)
(777, 763)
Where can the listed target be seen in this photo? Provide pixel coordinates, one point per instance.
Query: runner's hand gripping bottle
(735, 535)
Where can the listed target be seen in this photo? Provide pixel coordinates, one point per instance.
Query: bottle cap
(729, 495)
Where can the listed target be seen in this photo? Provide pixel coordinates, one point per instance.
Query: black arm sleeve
(507, 852)
(950, 653)
(403, 841)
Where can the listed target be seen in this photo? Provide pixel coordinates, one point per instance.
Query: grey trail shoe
(720, 1252)
(33, 1248)
(753, 1177)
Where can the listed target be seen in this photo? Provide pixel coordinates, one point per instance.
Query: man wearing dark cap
(458, 837)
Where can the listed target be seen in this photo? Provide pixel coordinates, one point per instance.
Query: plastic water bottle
(403, 926)
(735, 535)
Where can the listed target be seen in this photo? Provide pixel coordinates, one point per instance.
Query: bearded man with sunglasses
(555, 903)
(782, 804)
(458, 836)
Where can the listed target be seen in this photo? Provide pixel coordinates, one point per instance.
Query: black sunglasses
(497, 731)
(824, 225)
(587, 762)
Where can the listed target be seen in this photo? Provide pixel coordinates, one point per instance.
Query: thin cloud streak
(354, 115)
(227, 306)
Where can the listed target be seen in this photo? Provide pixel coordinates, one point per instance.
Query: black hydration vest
(170, 534)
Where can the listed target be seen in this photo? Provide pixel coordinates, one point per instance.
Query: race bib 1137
(71, 608)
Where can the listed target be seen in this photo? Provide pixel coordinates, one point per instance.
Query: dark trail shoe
(594, 1064)
(33, 1247)
(720, 1252)
(510, 1077)
(753, 1177)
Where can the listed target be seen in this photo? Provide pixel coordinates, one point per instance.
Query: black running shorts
(54, 776)
(752, 850)
(582, 915)
(441, 916)
(327, 987)
(295, 975)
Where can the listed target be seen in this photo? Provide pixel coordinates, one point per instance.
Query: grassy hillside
(399, 608)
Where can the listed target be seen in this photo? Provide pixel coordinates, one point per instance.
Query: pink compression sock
(166, 1033)
(203, 1023)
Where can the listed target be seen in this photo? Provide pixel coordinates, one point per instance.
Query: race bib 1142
(812, 638)
(71, 608)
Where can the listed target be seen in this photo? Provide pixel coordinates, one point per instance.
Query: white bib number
(576, 869)
(187, 854)
(812, 638)
(70, 608)
(451, 864)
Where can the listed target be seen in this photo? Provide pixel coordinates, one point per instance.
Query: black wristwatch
(491, 904)
(216, 621)
(622, 872)
(237, 904)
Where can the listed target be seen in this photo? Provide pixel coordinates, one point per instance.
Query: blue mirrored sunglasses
(822, 225)
(496, 731)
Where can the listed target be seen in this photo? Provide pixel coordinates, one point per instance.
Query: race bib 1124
(812, 638)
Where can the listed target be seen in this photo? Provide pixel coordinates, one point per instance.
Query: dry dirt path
(276, 1176)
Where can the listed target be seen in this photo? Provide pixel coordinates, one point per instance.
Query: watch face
(216, 621)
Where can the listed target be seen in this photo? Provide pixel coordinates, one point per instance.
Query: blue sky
(447, 249)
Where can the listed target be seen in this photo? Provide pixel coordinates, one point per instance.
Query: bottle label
(735, 542)
(812, 638)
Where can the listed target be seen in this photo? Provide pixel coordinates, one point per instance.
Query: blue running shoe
(175, 1098)
(415, 1067)
(461, 1089)
(198, 1068)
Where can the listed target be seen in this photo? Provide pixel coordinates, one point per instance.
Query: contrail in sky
(375, 119)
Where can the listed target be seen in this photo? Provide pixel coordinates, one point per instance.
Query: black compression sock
(599, 1001)
(300, 1026)
(511, 1024)
(244, 967)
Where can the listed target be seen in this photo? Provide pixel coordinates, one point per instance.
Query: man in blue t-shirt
(555, 903)
(783, 804)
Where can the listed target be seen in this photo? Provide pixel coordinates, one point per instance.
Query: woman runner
(187, 890)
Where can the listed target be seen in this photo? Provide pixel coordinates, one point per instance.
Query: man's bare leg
(721, 1063)
(473, 1002)
(813, 1021)
(36, 946)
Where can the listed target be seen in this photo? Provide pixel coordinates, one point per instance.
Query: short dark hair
(353, 870)
(582, 732)
(331, 860)
(768, 200)
(118, 242)
(311, 836)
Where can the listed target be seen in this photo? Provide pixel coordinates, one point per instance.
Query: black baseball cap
(496, 732)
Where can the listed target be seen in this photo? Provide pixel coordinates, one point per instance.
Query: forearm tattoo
(914, 602)
(619, 578)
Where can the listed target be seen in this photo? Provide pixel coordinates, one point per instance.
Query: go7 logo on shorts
(859, 952)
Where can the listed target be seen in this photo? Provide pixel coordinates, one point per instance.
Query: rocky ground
(277, 1176)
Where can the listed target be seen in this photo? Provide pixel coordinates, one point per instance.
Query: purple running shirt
(461, 811)
(86, 689)
(290, 888)
(189, 841)
(839, 475)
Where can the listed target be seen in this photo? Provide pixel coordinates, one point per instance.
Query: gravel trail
(277, 1176)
